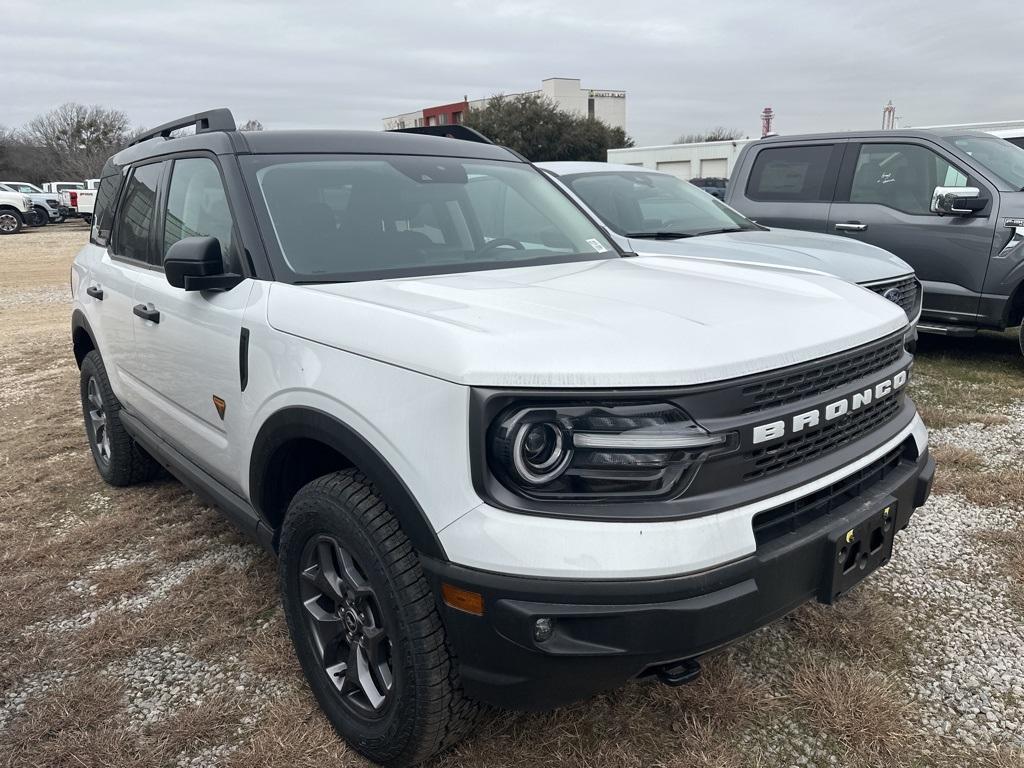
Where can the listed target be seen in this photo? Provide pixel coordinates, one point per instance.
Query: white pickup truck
(80, 202)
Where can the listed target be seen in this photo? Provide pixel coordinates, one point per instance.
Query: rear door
(188, 351)
(111, 281)
(791, 185)
(884, 198)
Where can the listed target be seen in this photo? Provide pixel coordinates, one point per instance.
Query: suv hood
(628, 322)
(840, 256)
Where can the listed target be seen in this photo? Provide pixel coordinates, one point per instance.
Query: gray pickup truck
(950, 203)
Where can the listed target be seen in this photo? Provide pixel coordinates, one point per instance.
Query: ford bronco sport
(500, 460)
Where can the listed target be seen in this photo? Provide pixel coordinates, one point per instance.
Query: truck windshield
(340, 218)
(1004, 159)
(17, 186)
(654, 205)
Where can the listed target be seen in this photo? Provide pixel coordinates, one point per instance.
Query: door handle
(95, 291)
(851, 226)
(141, 310)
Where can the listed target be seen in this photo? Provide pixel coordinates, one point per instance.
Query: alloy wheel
(8, 222)
(98, 420)
(344, 616)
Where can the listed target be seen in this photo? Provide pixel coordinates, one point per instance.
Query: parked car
(15, 212)
(949, 203)
(54, 187)
(499, 462)
(651, 212)
(712, 185)
(79, 202)
(46, 207)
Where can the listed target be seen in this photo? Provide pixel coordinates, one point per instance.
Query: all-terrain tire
(424, 711)
(42, 216)
(120, 460)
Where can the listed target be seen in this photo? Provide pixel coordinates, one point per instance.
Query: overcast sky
(685, 66)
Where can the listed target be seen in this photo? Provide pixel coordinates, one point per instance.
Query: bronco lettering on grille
(776, 429)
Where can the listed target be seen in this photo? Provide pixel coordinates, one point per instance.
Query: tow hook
(679, 673)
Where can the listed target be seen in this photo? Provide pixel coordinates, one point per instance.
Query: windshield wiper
(659, 235)
(723, 231)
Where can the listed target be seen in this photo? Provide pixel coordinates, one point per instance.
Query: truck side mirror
(957, 201)
(196, 264)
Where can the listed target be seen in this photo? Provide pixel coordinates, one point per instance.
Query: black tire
(120, 460)
(1021, 338)
(42, 216)
(10, 221)
(376, 576)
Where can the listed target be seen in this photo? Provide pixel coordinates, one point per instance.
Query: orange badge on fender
(220, 405)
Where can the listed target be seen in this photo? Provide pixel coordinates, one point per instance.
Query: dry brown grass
(59, 521)
(941, 417)
(962, 471)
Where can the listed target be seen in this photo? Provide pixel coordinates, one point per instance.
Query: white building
(567, 93)
(714, 159)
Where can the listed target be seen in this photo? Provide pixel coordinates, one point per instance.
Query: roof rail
(454, 131)
(211, 120)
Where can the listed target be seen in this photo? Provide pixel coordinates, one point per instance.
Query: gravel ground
(139, 629)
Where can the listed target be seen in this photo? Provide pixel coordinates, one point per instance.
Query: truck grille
(773, 523)
(811, 443)
(813, 380)
(908, 288)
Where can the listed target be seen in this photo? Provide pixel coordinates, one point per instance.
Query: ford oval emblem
(893, 294)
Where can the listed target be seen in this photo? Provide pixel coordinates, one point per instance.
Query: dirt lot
(137, 628)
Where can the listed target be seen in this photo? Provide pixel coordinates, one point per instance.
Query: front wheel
(42, 216)
(10, 222)
(365, 626)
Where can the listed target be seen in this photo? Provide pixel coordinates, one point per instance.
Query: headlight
(28, 203)
(594, 451)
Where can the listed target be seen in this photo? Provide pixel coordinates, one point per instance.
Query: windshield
(17, 186)
(654, 204)
(1004, 159)
(338, 218)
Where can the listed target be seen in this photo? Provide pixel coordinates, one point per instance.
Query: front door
(187, 354)
(884, 198)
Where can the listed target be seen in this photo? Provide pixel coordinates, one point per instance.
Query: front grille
(813, 380)
(776, 522)
(811, 443)
(908, 288)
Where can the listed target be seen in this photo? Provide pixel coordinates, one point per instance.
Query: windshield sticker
(596, 245)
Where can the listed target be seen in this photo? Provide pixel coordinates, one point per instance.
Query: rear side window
(791, 174)
(103, 215)
(197, 205)
(136, 213)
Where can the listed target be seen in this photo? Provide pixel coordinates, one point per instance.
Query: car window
(103, 213)
(636, 204)
(1001, 157)
(197, 205)
(791, 174)
(902, 176)
(342, 217)
(135, 214)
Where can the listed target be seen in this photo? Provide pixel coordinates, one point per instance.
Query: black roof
(214, 133)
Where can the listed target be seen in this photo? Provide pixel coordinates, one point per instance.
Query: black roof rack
(455, 131)
(211, 120)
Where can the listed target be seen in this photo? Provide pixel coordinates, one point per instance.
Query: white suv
(500, 460)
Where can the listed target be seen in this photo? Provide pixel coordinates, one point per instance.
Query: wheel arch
(296, 444)
(83, 340)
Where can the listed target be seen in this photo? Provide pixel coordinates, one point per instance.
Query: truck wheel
(10, 222)
(365, 625)
(120, 460)
(42, 216)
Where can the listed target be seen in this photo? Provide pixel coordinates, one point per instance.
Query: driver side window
(902, 176)
(197, 205)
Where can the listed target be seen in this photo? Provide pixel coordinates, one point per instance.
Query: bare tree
(78, 139)
(251, 125)
(718, 133)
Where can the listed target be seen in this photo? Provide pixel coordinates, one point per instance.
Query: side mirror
(196, 264)
(957, 201)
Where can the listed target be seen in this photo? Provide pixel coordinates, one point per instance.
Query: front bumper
(608, 632)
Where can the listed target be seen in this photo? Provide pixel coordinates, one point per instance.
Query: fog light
(542, 630)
